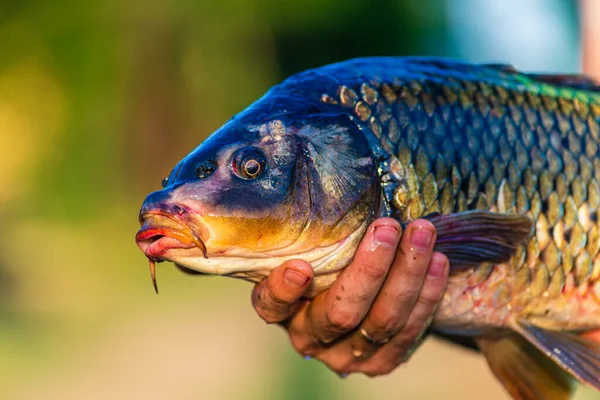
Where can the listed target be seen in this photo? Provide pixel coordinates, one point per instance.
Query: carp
(505, 164)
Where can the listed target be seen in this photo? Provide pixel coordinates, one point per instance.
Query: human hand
(374, 315)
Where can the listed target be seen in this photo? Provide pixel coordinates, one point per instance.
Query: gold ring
(369, 339)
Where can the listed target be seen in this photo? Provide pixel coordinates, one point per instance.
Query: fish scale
(501, 137)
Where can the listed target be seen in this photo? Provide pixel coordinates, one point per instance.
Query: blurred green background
(99, 99)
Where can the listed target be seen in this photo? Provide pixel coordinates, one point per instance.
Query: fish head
(263, 190)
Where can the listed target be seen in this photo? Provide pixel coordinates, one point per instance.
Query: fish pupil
(252, 168)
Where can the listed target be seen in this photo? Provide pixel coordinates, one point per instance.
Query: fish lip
(150, 232)
(159, 247)
(157, 212)
(169, 238)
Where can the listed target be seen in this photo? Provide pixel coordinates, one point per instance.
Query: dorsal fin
(574, 81)
(508, 68)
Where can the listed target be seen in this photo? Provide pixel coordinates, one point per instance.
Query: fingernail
(421, 238)
(438, 264)
(294, 277)
(386, 235)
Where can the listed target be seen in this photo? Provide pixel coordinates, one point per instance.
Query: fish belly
(487, 298)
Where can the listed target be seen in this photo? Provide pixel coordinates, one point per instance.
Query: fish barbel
(505, 164)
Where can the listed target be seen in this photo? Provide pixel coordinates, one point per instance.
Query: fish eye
(248, 163)
(164, 182)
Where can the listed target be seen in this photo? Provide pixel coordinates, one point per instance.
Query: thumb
(275, 298)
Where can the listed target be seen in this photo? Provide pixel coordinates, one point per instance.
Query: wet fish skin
(450, 138)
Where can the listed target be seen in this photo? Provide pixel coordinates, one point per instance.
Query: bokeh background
(99, 99)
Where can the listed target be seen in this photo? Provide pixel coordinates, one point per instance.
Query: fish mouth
(155, 242)
(161, 233)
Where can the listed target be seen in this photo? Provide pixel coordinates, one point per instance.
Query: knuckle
(379, 369)
(273, 305)
(372, 372)
(430, 298)
(375, 270)
(342, 321)
(407, 297)
(339, 371)
(338, 366)
(403, 354)
(302, 346)
(411, 333)
(269, 310)
(383, 320)
(309, 351)
(256, 296)
(399, 353)
(271, 318)
(362, 296)
(262, 316)
(433, 291)
(352, 368)
(388, 369)
(267, 315)
(272, 301)
(415, 268)
(412, 269)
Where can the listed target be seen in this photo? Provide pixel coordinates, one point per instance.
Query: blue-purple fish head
(284, 179)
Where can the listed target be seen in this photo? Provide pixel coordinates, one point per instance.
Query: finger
(400, 292)
(341, 308)
(276, 297)
(401, 346)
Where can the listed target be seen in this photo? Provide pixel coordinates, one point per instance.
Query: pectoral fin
(525, 373)
(578, 356)
(473, 237)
